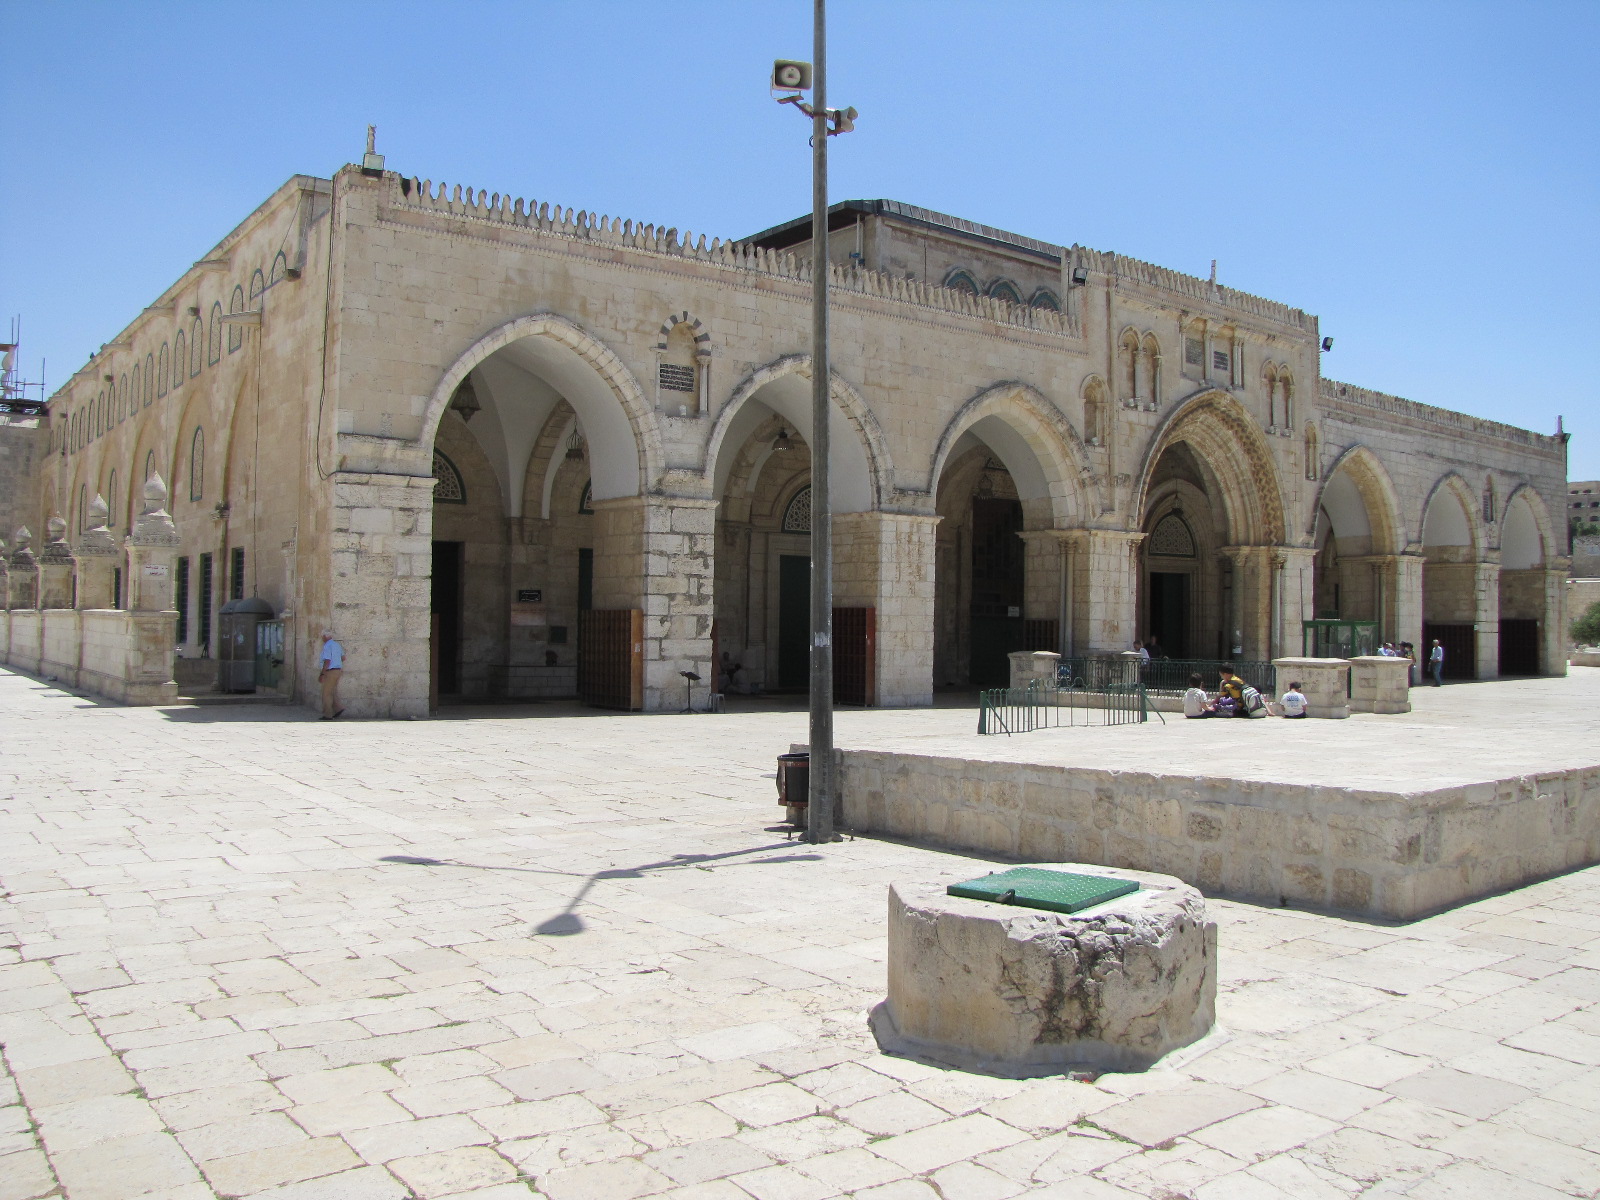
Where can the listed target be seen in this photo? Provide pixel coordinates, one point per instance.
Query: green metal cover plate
(1055, 891)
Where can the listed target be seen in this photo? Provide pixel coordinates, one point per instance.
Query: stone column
(1325, 682)
(24, 571)
(1296, 571)
(1104, 589)
(885, 561)
(98, 559)
(1553, 625)
(1041, 594)
(670, 565)
(58, 567)
(1406, 601)
(1486, 593)
(152, 621)
(379, 598)
(1254, 600)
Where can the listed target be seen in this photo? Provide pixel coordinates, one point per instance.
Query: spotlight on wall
(782, 443)
(1080, 276)
(1327, 344)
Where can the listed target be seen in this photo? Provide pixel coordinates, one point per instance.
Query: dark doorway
(447, 617)
(794, 621)
(585, 579)
(1167, 612)
(1460, 644)
(1519, 647)
(997, 584)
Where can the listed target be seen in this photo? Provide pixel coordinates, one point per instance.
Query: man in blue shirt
(332, 669)
(1436, 663)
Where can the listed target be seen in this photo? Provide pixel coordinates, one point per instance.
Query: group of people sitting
(1236, 698)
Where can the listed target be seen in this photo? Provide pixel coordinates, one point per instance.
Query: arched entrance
(1215, 578)
(1358, 575)
(542, 447)
(1459, 605)
(1524, 588)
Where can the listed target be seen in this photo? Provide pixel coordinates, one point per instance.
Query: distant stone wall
(21, 449)
(1384, 854)
(1586, 558)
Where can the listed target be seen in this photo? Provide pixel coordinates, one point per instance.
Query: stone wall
(1377, 853)
(22, 447)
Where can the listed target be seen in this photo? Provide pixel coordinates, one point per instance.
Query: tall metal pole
(819, 809)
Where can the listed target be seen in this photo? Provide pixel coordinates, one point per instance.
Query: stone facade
(454, 427)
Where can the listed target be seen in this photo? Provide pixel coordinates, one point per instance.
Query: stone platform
(1391, 816)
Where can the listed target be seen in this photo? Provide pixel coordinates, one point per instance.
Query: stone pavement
(547, 953)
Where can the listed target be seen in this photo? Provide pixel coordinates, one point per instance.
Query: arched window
(1171, 538)
(1488, 500)
(197, 464)
(960, 281)
(131, 401)
(280, 268)
(150, 380)
(111, 498)
(449, 489)
(236, 332)
(586, 501)
(162, 368)
(1045, 298)
(1094, 404)
(149, 465)
(797, 516)
(1313, 466)
(197, 346)
(101, 403)
(214, 339)
(1286, 391)
(1150, 363)
(1004, 289)
(1129, 366)
(258, 284)
(83, 505)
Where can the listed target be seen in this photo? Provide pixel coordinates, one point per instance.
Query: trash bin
(794, 783)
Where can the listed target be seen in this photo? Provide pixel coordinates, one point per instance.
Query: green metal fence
(1166, 677)
(1023, 710)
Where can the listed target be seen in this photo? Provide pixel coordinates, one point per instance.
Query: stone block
(1379, 684)
(1018, 991)
(1325, 682)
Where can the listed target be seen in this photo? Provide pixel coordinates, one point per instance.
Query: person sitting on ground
(1245, 700)
(1294, 701)
(1195, 702)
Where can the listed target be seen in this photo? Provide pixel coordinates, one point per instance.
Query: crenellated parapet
(1338, 395)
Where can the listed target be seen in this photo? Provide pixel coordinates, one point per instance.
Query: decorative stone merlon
(1380, 684)
(22, 552)
(55, 548)
(1325, 682)
(154, 526)
(1018, 991)
(97, 539)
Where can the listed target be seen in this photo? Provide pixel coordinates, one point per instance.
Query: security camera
(788, 76)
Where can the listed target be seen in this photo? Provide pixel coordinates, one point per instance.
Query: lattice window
(1172, 538)
(586, 501)
(1193, 351)
(449, 489)
(797, 517)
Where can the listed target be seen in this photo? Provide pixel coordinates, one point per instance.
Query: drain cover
(1034, 887)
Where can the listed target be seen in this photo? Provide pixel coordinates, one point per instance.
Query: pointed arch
(236, 305)
(1378, 494)
(1033, 438)
(1222, 432)
(1451, 487)
(1004, 289)
(214, 337)
(1525, 498)
(566, 350)
(280, 269)
(1045, 298)
(869, 443)
(960, 280)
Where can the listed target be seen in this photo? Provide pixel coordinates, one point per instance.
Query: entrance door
(997, 575)
(1519, 647)
(794, 621)
(1167, 615)
(447, 614)
(1460, 644)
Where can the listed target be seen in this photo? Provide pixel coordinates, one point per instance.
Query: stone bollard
(98, 558)
(1379, 684)
(1009, 990)
(58, 567)
(1325, 682)
(1033, 666)
(24, 572)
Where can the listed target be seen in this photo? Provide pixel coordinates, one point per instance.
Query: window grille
(236, 574)
(1220, 360)
(797, 517)
(1172, 538)
(676, 379)
(180, 598)
(449, 489)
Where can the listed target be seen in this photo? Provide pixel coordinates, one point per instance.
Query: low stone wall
(1382, 854)
(1584, 658)
(123, 656)
(25, 639)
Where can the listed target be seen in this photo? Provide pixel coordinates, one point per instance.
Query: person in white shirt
(1195, 701)
(332, 670)
(1294, 701)
(1436, 663)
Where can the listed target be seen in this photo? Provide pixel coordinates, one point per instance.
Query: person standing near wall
(1436, 663)
(332, 670)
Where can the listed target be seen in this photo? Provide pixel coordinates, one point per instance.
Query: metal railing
(1165, 677)
(1037, 706)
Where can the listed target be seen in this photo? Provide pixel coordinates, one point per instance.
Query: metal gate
(611, 658)
(855, 656)
(1460, 644)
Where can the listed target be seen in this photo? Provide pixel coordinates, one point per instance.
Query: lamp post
(792, 79)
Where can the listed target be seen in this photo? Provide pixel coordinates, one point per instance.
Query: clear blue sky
(1423, 176)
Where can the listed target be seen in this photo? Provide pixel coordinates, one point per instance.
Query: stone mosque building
(510, 450)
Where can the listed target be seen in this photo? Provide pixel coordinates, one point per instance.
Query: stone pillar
(1379, 684)
(1037, 667)
(1255, 571)
(152, 621)
(58, 567)
(1486, 594)
(1041, 594)
(1553, 625)
(5, 580)
(670, 564)
(24, 572)
(1296, 573)
(98, 559)
(1325, 682)
(1104, 589)
(885, 561)
(379, 600)
(1406, 601)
